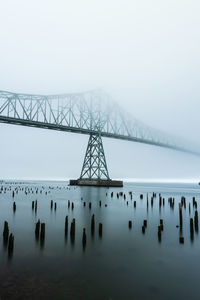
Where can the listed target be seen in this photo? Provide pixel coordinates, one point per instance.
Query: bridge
(92, 113)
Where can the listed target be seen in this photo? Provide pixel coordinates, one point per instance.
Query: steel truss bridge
(92, 113)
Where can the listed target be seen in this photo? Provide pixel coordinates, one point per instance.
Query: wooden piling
(159, 234)
(14, 207)
(72, 230)
(130, 224)
(180, 216)
(35, 206)
(191, 229)
(92, 224)
(84, 238)
(10, 243)
(37, 229)
(100, 229)
(196, 221)
(42, 233)
(66, 224)
(5, 232)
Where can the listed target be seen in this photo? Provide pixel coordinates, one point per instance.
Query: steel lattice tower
(94, 165)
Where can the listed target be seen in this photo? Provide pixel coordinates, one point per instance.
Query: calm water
(123, 264)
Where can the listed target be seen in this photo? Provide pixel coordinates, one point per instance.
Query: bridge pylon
(94, 170)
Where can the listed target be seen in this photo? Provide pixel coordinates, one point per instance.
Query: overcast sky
(144, 53)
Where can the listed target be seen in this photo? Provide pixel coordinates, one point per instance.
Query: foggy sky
(144, 53)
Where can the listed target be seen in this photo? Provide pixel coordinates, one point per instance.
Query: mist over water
(144, 54)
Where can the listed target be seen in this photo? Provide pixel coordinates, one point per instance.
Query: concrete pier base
(96, 182)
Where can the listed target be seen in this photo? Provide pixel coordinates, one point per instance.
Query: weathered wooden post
(72, 231)
(5, 232)
(66, 225)
(130, 224)
(37, 229)
(92, 224)
(84, 238)
(180, 216)
(10, 244)
(161, 227)
(14, 207)
(196, 221)
(42, 233)
(100, 229)
(35, 206)
(159, 234)
(191, 229)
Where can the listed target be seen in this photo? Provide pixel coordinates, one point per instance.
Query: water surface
(122, 264)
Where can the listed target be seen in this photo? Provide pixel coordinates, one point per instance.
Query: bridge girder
(87, 113)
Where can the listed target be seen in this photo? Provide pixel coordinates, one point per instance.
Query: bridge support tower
(94, 171)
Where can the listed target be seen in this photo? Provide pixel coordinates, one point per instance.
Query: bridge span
(92, 113)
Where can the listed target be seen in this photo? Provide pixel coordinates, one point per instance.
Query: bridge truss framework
(92, 113)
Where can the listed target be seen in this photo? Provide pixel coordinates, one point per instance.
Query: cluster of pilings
(194, 227)
(84, 235)
(128, 198)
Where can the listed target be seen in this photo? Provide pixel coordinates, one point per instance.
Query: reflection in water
(42, 242)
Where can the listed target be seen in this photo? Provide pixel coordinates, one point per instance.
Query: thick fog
(145, 54)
